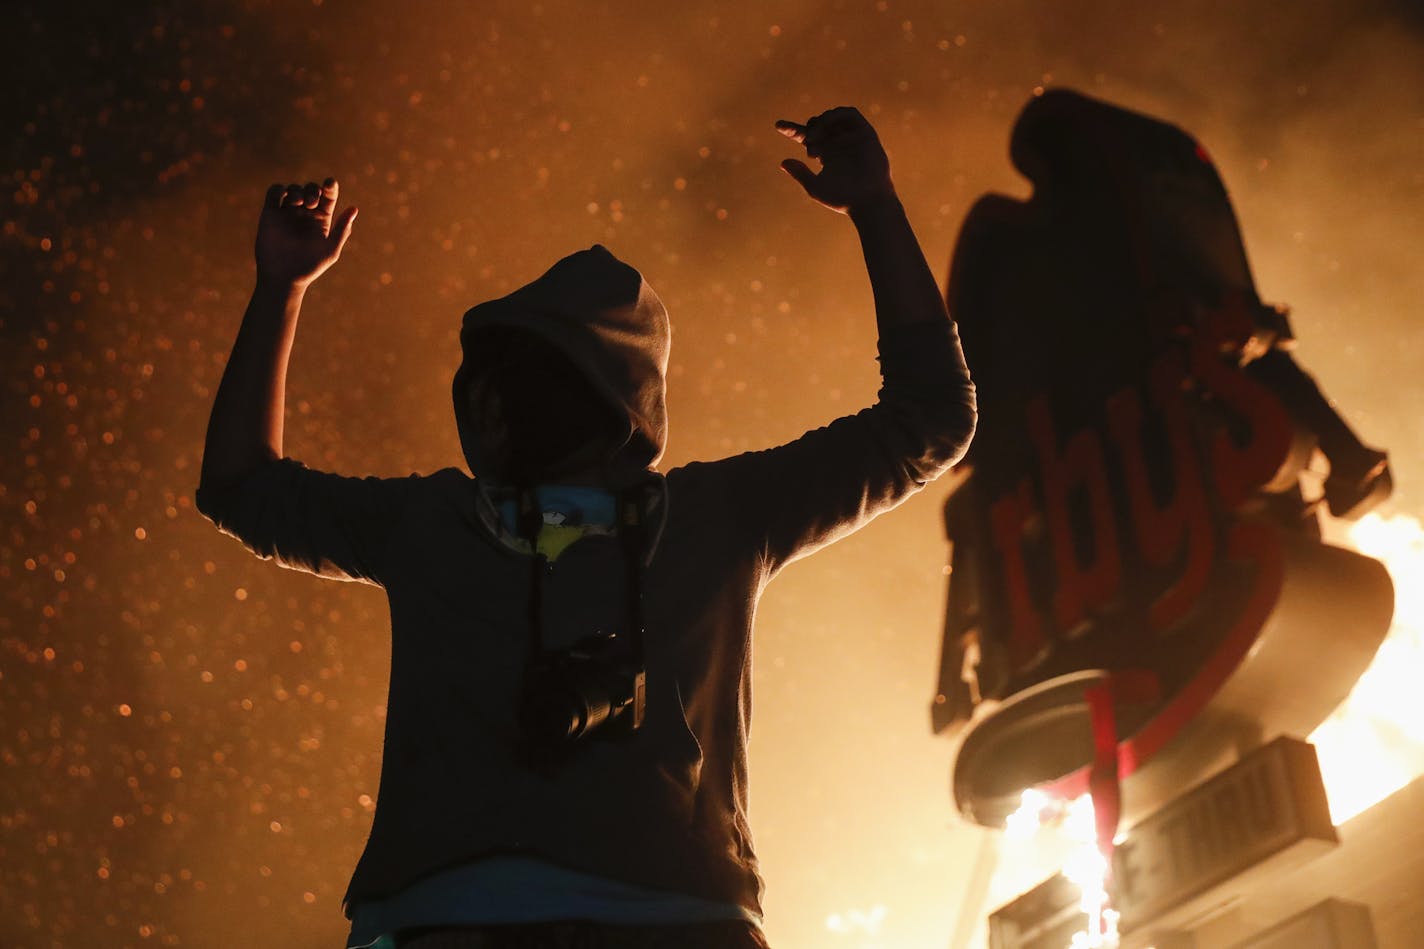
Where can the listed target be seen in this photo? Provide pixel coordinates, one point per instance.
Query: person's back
(570, 700)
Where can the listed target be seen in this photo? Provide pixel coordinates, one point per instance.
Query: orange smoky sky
(190, 739)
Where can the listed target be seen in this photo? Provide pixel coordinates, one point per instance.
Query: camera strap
(632, 535)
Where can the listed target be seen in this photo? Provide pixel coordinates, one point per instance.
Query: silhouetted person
(565, 750)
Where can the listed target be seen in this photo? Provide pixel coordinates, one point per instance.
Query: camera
(597, 686)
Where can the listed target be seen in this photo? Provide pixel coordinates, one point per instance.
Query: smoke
(482, 143)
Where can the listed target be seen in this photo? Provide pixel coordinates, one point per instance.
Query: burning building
(1142, 599)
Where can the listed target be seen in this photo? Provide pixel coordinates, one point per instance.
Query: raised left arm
(831, 481)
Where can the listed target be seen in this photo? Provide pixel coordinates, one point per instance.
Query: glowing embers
(1074, 832)
(1374, 742)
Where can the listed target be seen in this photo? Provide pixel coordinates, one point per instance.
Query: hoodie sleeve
(325, 524)
(801, 496)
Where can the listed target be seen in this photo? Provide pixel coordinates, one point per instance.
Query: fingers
(831, 125)
(839, 123)
(312, 196)
(329, 191)
(341, 230)
(804, 176)
(301, 196)
(792, 130)
(816, 134)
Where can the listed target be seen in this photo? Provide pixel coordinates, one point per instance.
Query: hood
(601, 314)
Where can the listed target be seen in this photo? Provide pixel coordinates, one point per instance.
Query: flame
(1034, 807)
(1082, 863)
(1370, 747)
(1374, 742)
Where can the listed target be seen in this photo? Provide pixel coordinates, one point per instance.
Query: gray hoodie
(666, 808)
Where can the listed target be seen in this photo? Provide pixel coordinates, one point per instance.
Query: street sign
(1267, 810)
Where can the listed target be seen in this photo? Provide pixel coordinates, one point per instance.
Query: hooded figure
(560, 404)
(596, 317)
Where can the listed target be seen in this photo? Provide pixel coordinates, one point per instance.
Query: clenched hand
(297, 235)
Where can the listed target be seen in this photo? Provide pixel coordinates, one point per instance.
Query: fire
(1087, 868)
(1374, 742)
(1369, 748)
(1082, 863)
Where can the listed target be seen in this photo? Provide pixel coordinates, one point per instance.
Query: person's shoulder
(687, 473)
(442, 489)
(443, 480)
(703, 477)
(451, 475)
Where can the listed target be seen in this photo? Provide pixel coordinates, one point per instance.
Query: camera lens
(560, 710)
(596, 709)
(588, 688)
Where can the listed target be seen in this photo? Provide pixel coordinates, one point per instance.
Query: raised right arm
(281, 510)
(297, 240)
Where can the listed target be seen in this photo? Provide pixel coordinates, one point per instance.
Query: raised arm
(298, 238)
(804, 494)
(855, 180)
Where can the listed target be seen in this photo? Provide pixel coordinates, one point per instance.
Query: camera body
(596, 687)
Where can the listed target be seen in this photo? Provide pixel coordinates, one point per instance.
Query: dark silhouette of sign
(1129, 527)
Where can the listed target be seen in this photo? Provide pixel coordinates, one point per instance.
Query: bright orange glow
(1067, 827)
(1374, 743)
(1369, 748)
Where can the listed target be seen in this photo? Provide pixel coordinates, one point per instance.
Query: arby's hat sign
(1137, 575)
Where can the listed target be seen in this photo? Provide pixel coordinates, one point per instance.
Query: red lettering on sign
(1256, 449)
(1265, 461)
(1162, 529)
(1007, 518)
(1082, 587)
